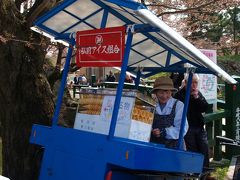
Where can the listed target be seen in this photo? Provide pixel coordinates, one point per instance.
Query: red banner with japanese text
(100, 47)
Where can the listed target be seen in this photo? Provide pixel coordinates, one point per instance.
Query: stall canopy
(155, 46)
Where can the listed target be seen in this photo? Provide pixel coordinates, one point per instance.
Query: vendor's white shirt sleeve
(172, 132)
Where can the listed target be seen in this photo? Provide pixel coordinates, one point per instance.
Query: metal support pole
(137, 80)
(120, 86)
(63, 83)
(184, 115)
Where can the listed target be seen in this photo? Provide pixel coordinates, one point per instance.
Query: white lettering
(237, 123)
(109, 49)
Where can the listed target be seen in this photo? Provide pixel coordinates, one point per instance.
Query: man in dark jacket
(196, 137)
(110, 77)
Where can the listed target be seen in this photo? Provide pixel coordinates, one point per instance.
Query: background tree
(208, 24)
(25, 94)
(220, 30)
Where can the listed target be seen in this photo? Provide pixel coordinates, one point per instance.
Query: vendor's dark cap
(163, 83)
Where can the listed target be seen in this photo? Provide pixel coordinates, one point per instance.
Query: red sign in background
(100, 47)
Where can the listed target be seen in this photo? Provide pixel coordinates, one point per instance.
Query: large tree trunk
(25, 94)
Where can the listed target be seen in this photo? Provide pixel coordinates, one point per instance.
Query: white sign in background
(208, 82)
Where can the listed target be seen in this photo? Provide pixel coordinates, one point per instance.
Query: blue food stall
(138, 42)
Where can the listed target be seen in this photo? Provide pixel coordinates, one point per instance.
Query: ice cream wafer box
(135, 115)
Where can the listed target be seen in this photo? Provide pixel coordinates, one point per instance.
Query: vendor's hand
(159, 132)
(156, 132)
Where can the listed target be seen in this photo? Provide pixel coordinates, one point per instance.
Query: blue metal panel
(46, 170)
(77, 167)
(73, 154)
(41, 135)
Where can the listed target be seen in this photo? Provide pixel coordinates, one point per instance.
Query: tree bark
(25, 94)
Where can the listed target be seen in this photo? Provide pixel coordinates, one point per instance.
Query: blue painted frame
(72, 154)
(184, 115)
(145, 29)
(63, 82)
(61, 150)
(120, 85)
(91, 155)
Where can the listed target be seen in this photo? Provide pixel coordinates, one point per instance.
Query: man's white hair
(195, 76)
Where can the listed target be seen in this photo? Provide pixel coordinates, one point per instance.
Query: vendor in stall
(168, 114)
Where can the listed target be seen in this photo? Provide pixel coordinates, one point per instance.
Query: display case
(135, 115)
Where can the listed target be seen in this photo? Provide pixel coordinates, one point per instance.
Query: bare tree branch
(178, 10)
(163, 5)
(39, 7)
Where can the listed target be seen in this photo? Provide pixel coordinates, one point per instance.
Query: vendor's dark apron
(164, 121)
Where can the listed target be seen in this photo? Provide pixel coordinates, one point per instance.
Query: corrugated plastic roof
(155, 46)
